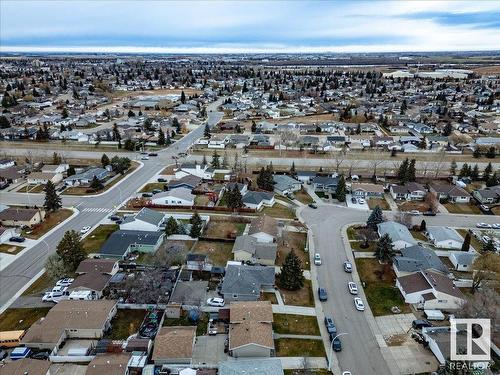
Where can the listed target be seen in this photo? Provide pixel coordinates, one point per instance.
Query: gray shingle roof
(255, 197)
(119, 241)
(283, 182)
(444, 234)
(418, 258)
(396, 231)
(147, 215)
(260, 250)
(241, 279)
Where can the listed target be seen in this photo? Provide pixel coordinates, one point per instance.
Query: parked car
(483, 225)
(3, 354)
(156, 191)
(41, 355)
(429, 213)
(65, 282)
(420, 323)
(47, 297)
(317, 259)
(323, 296)
(313, 205)
(85, 229)
(147, 195)
(496, 226)
(161, 180)
(3, 185)
(415, 212)
(358, 303)
(361, 201)
(217, 302)
(153, 154)
(484, 207)
(115, 218)
(18, 239)
(346, 373)
(354, 200)
(337, 344)
(353, 288)
(145, 157)
(330, 325)
(347, 266)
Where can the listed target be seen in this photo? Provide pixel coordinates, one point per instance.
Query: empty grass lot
(381, 202)
(295, 324)
(10, 249)
(223, 228)
(303, 197)
(42, 284)
(293, 241)
(380, 290)
(17, 319)
(125, 323)
(462, 208)
(93, 242)
(279, 211)
(299, 348)
(301, 297)
(218, 252)
(51, 220)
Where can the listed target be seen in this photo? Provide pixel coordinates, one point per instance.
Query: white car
(85, 229)
(145, 158)
(65, 282)
(217, 302)
(483, 225)
(358, 303)
(317, 259)
(415, 212)
(353, 288)
(496, 226)
(346, 373)
(47, 297)
(361, 201)
(58, 289)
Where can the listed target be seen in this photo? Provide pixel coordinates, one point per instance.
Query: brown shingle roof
(109, 364)
(18, 214)
(414, 282)
(92, 281)
(264, 223)
(25, 366)
(96, 265)
(174, 342)
(247, 333)
(258, 311)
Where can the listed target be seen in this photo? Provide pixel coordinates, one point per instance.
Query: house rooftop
(118, 242)
(264, 223)
(174, 343)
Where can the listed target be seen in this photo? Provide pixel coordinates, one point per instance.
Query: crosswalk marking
(97, 209)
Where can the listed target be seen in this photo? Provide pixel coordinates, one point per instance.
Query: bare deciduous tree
(432, 201)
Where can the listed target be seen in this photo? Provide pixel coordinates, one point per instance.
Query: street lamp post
(330, 355)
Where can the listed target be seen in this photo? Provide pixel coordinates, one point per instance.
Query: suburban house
(251, 329)
(284, 184)
(248, 249)
(325, 183)
(430, 290)
(452, 193)
(174, 345)
(195, 169)
(86, 177)
(176, 197)
(55, 168)
(264, 228)
(42, 178)
(366, 190)
(445, 237)
(189, 182)
(70, 320)
(245, 283)
(94, 276)
(109, 363)
(411, 191)
(122, 242)
(6, 163)
(19, 217)
(26, 366)
(462, 260)
(417, 258)
(242, 188)
(305, 176)
(258, 199)
(145, 220)
(489, 195)
(270, 366)
(399, 234)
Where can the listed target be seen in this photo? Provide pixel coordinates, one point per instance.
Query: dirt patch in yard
(17, 319)
(223, 228)
(151, 186)
(463, 208)
(125, 323)
(293, 241)
(295, 324)
(268, 296)
(218, 252)
(299, 348)
(410, 206)
(52, 219)
(301, 297)
(303, 197)
(10, 249)
(381, 202)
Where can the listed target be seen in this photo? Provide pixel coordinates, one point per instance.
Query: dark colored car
(156, 191)
(420, 323)
(153, 154)
(147, 195)
(17, 239)
(41, 355)
(323, 296)
(330, 325)
(114, 218)
(337, 344)
(3, 354)
(313, 205)
(429, 213)
(3, 185)
(161, 180)
(354, 200)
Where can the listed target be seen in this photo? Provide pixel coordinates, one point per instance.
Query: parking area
(209, 350)
(394, 324)
(357, 204)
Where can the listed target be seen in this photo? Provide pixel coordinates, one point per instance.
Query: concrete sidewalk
(297, 310)
(302, 362)
(302, 337)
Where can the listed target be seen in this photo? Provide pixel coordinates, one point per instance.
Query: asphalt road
(29, 264)
(360, 352)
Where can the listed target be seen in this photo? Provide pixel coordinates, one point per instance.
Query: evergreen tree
(477, 153)
(492, 181)
(52, 200)
(423, 143)
(385, 249)
(466, 243)
(206, 133)
(215, 160)
(177, 125)
(171, 226)
(423, 226)
(168, 140)
(4, 122)
(183, 97)
(292, 169)
(104, 160)
(488, 246)
(196, 225)
(204, 161)
(464, 171)
(447, 129)
(474, 175)
(161, 138)
(340, 191)
(291, 276)
(487, 172)
(71, 171)
(130, 113)
(96, 184)
(265, 179)
(403, 171)
(491, 153)
(235, 200)
(375, 218)
(70, 250)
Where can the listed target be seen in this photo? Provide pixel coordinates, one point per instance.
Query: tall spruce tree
(104, 160)
(52, 200)
(340, 191)
(375, 218)
(291, 276)
(466, 243)
(207, 133)
(161, 138)
(196, 225)
(385, 249)
(70, 250)
(215, 160)
(171, 226)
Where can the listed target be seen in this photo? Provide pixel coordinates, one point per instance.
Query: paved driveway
(209, 350)
(357, 205)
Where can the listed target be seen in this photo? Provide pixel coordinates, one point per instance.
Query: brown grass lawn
(168, 170)
(302, 297)
(223, 228)
(462, 208)
(299, 348)
(10, 249)
(475, 243)
(32, 188)
(317, 371)
(269, 297)
(41, 285)
(295, 324)
(352, 232)
(279, 211)
(293, 241)
(93, 242)
(303, 197)
(419, 236)
(380, 290)
(201, 200)
(201, 326)
(381, 202)
(414, 205)
(51, 220)
(218, 252)
(17, 319)
(125, 323)
(356, 246)
(151, 186)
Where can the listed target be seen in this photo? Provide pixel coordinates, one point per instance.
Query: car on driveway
(483, 225)
(496, 226)
(354, 200)
(415, 212)
(361, 201)
(330, 325)
(85, 229)
(41, 355)
(429, 213)
(346, 373)
(420, 323)
(358, 303)
(147, 195)
(347, 266)
(323, 296)
(17, 239)
(156, 191)
(216, 302)
(145, 157)
(65, 282)
(152, 154)
(317, 259)
(353, 288)
(313, 205)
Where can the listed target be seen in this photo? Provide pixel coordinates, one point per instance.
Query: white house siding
(263, 237)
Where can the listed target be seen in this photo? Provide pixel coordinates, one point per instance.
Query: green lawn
(17, 319)
(462, 208)
(201, 326)
(93, 242)
(279, 211)
(295, 324)
(42, 284)
(125, 323)
(299, 348)
(10, 249)
(151, 186)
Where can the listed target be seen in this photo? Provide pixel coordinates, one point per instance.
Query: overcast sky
(248, 26)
